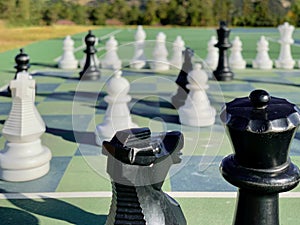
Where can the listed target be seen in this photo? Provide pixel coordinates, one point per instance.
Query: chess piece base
(189, 117)
(265, 65)
(111, 64)
(138, 64)
(68, 64)
(159, 66)
(24, 161)
(238, 65)
(223, 75)
(280, 64)
(90, 74)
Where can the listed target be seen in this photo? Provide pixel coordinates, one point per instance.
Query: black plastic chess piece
(138, 164)
(179, 98)
(223, 71)
(22, 64)
(91, 69)
(261, 129)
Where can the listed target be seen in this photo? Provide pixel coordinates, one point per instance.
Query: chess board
(77, 189)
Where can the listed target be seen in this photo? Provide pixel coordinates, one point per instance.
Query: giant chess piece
(223, 71)
(117, 116)
(160, 54)
(212, 53)
(111, 59)
(139, 59)
(68, 60)
(197, 110)
(24, 157)
(262, 59)
(138, 164)
(236, 60)
(22, 62)
(91, 69)
(178, 48)
(261, 129)
(178, 99)
(22, 65)
(285, 60)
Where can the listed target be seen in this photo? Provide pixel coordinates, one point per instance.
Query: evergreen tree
(149, 16)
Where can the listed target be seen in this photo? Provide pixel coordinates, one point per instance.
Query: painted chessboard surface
(77, 189)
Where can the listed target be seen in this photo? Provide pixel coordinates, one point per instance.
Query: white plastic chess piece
(139, 59)
(68, 60)
(262, 60)
(24, 157)
(236, 60)
(111, 59)
(160, 54)
(117, 116)
(285, 60)
(212, 57)
(197, 110)
(178, 47)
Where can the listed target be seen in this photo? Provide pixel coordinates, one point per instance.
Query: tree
(97, 14)
(149, 16)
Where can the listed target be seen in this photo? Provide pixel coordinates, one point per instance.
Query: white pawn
(236, 60)
(285, 60)
(160, 54)
(111, 59)
(68, 60)
(262, 60)
(178, 47)
(117, 116)
(197, 110)
(139, 59)
(24, 157)
(212, 57)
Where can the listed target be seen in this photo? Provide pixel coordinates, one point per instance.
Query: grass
(17, 37)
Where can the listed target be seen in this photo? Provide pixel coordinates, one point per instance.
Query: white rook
(24, 157)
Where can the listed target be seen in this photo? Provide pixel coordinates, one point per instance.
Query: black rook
(261, 128)
(223, 72)
(91, 69)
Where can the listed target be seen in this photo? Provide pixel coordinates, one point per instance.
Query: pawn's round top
(260, 113)
(259, 99)
(90, 39)
(22, 61)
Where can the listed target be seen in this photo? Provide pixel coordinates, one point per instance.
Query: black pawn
(223, 71)
(90, 70)
(261, 129)
(179, 98)
(22, 64)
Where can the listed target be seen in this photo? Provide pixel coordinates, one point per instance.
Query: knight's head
(137, 147)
